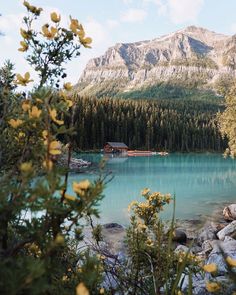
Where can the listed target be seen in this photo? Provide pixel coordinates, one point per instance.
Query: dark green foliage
(175, 125)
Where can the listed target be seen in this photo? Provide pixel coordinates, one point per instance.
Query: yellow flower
(55, 18)
(48, 164)
(86, 41)
(26, 167)
(49, 34)
(55, 148)
(25, 34)
(69, 103)
(25, 106)
(23, 80)
(24, 46)
(69, 197)
(35, 112)
(131, 205)
(53, 115)
(81, 289)
(231, 261)
(68, 86)
(39, 100)
(74, 25)
(82, 185)
(59, 239)
(21, 134)
(32, 8)
(15, 123)
(210, 267)
(145, 191)
(101, 291)
(45, 134)
(212, 287)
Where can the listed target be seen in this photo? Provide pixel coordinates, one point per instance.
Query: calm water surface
(201, 183)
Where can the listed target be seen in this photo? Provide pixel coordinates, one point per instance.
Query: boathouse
(115, 147)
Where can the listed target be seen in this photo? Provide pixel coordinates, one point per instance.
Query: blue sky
(112, 21)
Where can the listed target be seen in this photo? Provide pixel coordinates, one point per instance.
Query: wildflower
(45, 134)
(15, 123)
(81, 289)
(212, 286)
(25, 34)
(86, 42)
(55, 18)
(25, 106)
(69, 103)
(101, 291)
(210, 267)
(69, 197)
(35, 112)
(39, 100)
(49, 34)
(21, 134)
(54, 148)
(81, 186)
(68, 86)
(59, 239)
(48, 164)
(131, 205)
(53, 115)
(231, 261)
(24, 46)
(26, 167)
(23, 80)
(145, 191)
(74, 25)
(32, 8)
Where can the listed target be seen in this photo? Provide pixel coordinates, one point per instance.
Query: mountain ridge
(192, 57)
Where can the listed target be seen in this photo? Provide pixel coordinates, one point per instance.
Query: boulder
(207, 233)
(181, 248)
(229, 230)
(229, 212)
(207, 246)
(179, 236)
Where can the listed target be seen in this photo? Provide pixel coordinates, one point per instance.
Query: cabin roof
(117, 144)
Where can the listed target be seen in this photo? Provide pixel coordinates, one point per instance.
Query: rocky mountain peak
(190, 54)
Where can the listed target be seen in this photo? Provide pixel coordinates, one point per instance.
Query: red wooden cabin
(115, 147)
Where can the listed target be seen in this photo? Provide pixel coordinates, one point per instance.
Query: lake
(200, 182)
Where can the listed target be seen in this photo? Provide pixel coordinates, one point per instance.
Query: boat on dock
(134, 153)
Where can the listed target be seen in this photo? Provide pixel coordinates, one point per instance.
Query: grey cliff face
(186, 55)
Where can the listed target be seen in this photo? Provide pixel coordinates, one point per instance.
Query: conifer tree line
(173, 125)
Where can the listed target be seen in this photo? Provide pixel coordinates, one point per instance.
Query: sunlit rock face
(191, 57)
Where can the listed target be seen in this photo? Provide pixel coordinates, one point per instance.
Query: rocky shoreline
(212, 241)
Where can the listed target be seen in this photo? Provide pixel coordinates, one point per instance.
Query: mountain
(192, 58)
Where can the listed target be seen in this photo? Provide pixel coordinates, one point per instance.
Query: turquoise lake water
(201, 183)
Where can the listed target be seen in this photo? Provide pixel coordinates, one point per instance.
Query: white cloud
(178, 11)
(181, 11)
(134, 15)
(112, 23)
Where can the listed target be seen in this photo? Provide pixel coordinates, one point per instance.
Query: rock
(207, 246)
(114, 234)
(179, 236)
(207, 233)
(228, 239)
(229, 230)
(196, 249)
(132, 66)
(181, 248)
(229, 212)
(112, 225)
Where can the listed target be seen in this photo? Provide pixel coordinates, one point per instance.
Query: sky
(115, 21)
